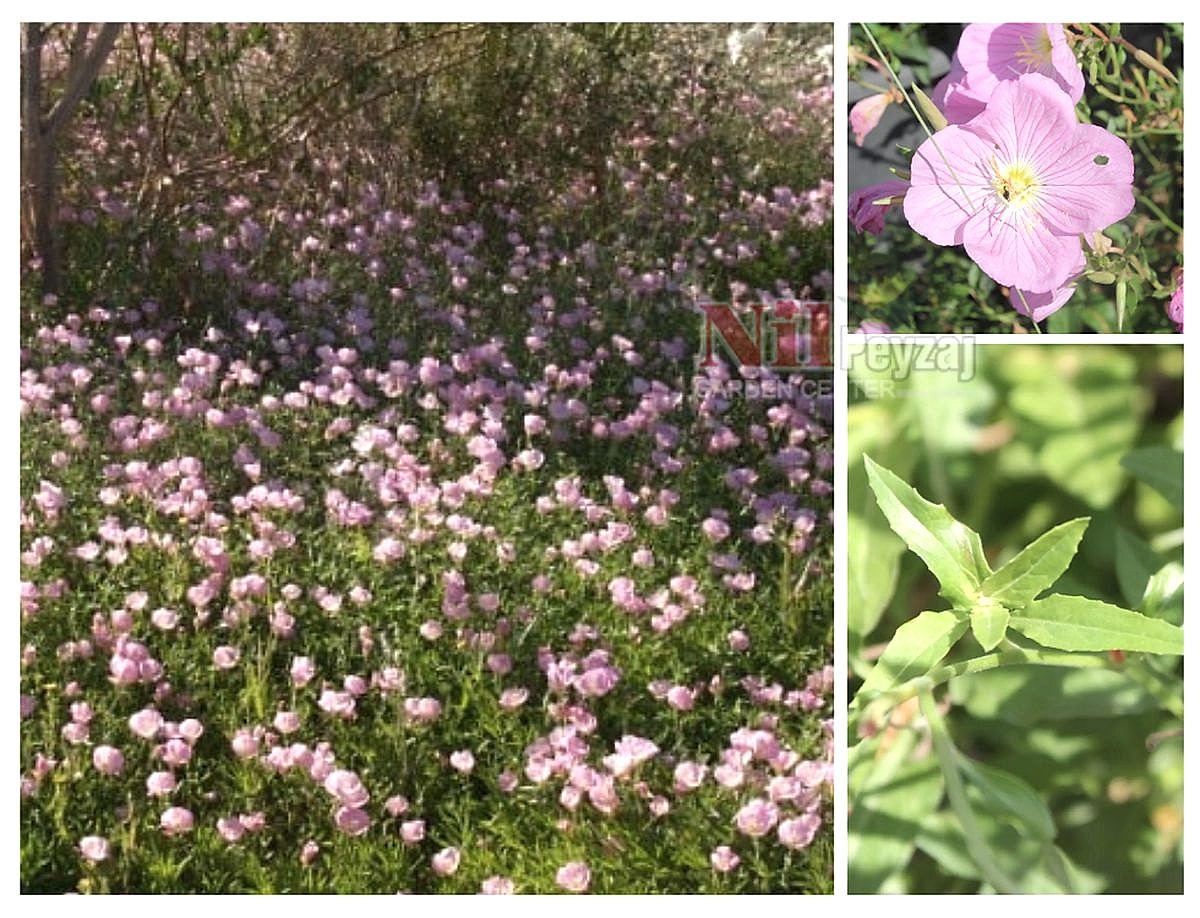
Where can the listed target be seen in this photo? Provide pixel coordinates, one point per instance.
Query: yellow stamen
(1015, 183)
(1036, 55)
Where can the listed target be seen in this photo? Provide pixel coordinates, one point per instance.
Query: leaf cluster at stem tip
(994, 603)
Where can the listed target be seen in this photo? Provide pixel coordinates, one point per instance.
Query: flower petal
(992, 53)
(949, 183)
(1088, 182)
(1040, 305)
(1015, 249)
(1027, 120)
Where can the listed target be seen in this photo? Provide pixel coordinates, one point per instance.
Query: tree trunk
(40, 135)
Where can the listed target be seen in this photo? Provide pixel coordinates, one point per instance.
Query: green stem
(1016, 656)
(917, 112)
(1158, 212)
(947, 756)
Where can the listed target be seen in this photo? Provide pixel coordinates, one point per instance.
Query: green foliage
(1076, 632)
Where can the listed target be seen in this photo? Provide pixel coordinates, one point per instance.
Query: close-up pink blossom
(1017, 185)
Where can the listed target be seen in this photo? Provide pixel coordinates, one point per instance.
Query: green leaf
(952, 552)
(1087, 462)
(872, 565)
(916, 646)
(1007, 794)
(1136, 563)
(1159, 467)
(1038, 866)
(1026, 695)
(1037, 566)
(989, 623)
(1165, 586)
(1078, 623)
(889, 808)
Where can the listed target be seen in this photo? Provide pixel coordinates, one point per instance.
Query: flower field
(372, 537)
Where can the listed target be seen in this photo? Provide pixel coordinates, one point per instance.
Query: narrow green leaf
(872, 566)
(916, 646)
(989, 624)
(1136, 564)
(1078, 623)
(1037, 566)
(952, 552)
(1009, 795)
(1159, 467)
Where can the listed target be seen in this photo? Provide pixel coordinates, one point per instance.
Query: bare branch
(80, 78)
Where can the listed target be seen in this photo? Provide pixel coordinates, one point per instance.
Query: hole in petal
(1100, 160)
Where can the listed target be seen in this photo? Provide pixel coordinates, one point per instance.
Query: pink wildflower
(1019, 183)
(574, 877)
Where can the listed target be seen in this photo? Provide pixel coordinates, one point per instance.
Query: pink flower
(225, 657)
(462, 761)
(873, 327)
(230, 829)
(513, 698)
(507, 781)
(991, 53)
(574, 877)
(309, 852)
(724, 859)
(191, 729)
(340, 704)
(108, 760)
(865, 115)
(739, 641)
(597, 681)
(146, 723)
(160, 784)
(287, 722)
(1019, 183)
(1175, 307)
(175, 752)
(413, 832)
(347, 788)
(799, 832)
(302, 671)
(395, 805)
(95, 849)
(865, 210)
(177, 820)
(497, 886)
(245, 744)
(757, 818)
(446, 861)
(681, 698)
(351, 820)
(689, 776)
